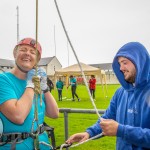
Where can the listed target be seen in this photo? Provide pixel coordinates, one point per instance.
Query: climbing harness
(14, 138)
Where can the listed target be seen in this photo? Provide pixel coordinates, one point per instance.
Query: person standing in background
(92, 86)
(73, 83)
(50, 84)
(59, 86)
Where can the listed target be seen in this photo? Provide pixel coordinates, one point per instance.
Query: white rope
(83, 75)
(75, 145)
(46, 144)
(63, 145)
(92, 138)
(76, 59)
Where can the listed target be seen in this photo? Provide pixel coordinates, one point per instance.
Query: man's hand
(109, 127)
(79, 137)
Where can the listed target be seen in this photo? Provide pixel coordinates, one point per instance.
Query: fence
(70, 110)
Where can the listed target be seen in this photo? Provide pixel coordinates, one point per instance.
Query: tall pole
(17, 24)
(54, 40)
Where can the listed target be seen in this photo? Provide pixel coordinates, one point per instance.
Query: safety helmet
(32, 43)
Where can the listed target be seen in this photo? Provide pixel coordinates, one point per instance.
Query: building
(49, 63)
(6, 65)
(52, 64)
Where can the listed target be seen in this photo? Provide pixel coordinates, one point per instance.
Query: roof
(7, 63)
(104, 66)
(75, 70)
(45, 61)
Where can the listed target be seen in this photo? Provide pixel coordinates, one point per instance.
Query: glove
(30, 75)
(43, 79)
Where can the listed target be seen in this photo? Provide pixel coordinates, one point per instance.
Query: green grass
(79, 122)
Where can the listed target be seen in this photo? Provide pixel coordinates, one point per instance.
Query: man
(59, 86)
(73, 83)
(127, 116)
(21, 110)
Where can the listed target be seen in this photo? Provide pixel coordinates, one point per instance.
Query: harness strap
(13, 145)
(14, 138)
(50, 132)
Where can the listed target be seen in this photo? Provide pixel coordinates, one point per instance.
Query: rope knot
(36, 81)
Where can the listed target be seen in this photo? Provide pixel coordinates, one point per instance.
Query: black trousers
(92, 91)
(73, 90)
(60, 94)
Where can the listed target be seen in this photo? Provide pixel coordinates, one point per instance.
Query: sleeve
(90, 81)
(74, 80)
(62, 85)
(94, 81)
(7, 91)
(110, 113)
(136, 135)
(94, 129)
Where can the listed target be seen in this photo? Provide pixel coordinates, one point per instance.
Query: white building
(50, 64)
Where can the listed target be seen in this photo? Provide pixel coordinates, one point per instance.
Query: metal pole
(69, 110)
(17, 24)
(66, 126)
(68, 52)
(54, 40)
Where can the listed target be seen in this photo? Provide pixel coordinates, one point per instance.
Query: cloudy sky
(97, 28)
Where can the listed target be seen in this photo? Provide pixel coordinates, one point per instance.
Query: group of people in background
(59, 86)
(73, 84)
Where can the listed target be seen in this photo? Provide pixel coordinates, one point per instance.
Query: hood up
(138, 55)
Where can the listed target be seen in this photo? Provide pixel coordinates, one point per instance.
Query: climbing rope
(83, 75)
(76, 58)
(75, 145)
(36, 81)
(37, 89)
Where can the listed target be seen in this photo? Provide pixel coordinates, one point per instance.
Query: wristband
(47, 89)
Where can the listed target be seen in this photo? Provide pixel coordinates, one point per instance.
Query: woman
(21, 110)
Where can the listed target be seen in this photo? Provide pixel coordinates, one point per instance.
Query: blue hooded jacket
(130, 105)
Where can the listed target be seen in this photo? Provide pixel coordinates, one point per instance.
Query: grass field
(79, 122)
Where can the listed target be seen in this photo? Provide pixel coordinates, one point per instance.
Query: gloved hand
(43, 78)
(30, 75)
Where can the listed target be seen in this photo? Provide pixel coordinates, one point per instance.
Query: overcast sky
(97, 28)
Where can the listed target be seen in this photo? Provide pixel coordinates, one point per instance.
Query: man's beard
(131, 78)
